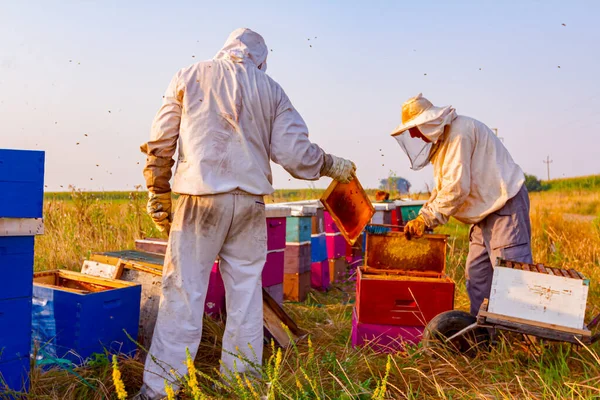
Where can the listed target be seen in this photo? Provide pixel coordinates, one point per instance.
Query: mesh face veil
(418, 151)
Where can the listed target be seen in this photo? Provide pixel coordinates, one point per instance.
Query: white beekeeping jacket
(230, 119)
(474, 173)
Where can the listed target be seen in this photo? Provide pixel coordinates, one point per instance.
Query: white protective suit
(229, 119)
(474, 173)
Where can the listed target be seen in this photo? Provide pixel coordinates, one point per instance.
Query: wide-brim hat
(417, 111)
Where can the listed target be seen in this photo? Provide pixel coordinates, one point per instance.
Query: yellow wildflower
(192, 378)
(118, 382)
(169, 390)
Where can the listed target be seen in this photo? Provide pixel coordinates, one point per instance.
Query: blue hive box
(21, 183)
(16, 266)
(76, 315)
(298, 229)
(318, 247)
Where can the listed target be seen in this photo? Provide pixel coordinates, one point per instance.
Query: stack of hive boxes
(400, 288)
(296, 282)
(272, 277)
(21, 203)
(337, 249)
(320, 278)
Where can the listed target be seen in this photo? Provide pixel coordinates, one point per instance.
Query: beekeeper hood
(430, 120)
(244, 44)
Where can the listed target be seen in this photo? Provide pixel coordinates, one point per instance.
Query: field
(566, 232)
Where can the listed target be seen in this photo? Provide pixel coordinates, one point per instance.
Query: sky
(82, 80)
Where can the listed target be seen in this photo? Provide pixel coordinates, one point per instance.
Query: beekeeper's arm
(456, 182)
(291, 148)
(160, 151)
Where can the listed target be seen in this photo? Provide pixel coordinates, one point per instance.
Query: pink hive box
(336, 245)
(276, 223)
(330, 226)
(319, 275)
(215, 298)
(273, 271)
(384, 338)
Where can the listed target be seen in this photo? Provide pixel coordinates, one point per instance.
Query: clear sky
(99, 68)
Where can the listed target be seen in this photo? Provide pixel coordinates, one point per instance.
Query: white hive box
(551, 296)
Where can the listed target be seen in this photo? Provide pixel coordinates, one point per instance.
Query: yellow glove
(159, 209)
(415, 228)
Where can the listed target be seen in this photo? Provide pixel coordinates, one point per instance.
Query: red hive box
(403, 282)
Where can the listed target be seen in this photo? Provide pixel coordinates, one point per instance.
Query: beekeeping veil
(430, 120)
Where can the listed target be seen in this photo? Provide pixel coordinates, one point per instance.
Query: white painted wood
(378, 217)
(277, 211)
(95, 268)
(538, 297)
(410, 202)
(303, 211)
(21, 226)
(384, 206)
(311, 203)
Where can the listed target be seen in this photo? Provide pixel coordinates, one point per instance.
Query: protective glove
(340, 169)
(159, 209)
(415, 228)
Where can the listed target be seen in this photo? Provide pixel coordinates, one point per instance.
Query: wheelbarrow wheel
(448, 323)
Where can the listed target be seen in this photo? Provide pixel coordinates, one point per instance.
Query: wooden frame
(360, 195)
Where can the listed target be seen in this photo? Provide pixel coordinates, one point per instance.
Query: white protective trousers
(232, 226)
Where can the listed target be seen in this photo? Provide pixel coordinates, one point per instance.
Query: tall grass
(579, 183)
(327, 367)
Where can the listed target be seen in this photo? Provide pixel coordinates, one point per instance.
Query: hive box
(338, 269)
(276, 225)
(318, 246)
(383, 213)
(330, 226)
(16, 266)
(319, 275)
(336, 245)
(296, 286)
(408, 210)
(384, 338)
(297, 258)
(146, 269)
(15, 375)
(21, 183)
(274, 266)
(15, 331)
(298, 229)
(534, 295)
(76, 315)
(403, 282)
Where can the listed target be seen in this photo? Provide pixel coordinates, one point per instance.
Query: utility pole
(548, 161)
(496, 132)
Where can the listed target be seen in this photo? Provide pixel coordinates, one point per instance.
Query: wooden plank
(540, 268)
(144, 266)
(504, 319)
(96, 268)
(21, 226)
(565, 273)
(273, 318)
(66, 289)
(151, 260)
(574, 274)
(78, 276)
(425, 274)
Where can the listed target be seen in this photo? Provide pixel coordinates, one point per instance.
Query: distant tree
(533, 184)
(395, 184)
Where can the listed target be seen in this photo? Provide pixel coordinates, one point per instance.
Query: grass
(328, 367)
(580, 183)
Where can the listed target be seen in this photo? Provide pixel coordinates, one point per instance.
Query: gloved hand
(159, 209)
(340, 169)
(415, 228)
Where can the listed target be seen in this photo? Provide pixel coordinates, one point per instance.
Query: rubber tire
(447, 324)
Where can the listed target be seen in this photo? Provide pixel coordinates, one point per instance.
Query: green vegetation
(582, 183)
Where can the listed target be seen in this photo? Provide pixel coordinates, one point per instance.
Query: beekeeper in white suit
(230, 120)
(476, 181)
